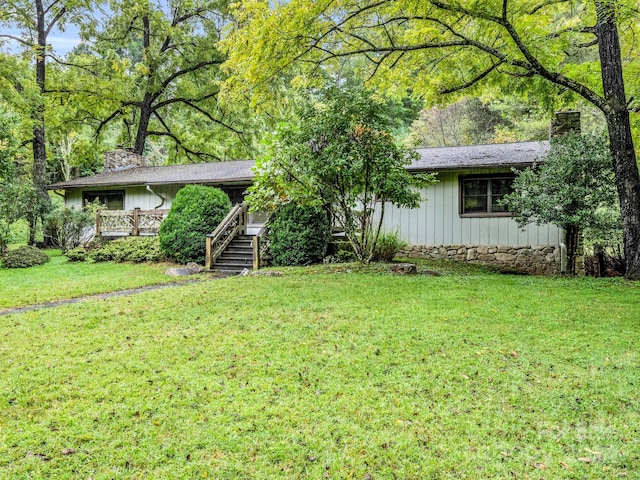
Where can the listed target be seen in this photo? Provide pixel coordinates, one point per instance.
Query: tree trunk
(620, 139)
(39, 168)
(145, 107)
(143, 125)
(571, 242)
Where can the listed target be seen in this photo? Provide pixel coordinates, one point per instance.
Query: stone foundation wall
(539, 259)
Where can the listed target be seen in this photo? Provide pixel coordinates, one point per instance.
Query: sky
(61, 42)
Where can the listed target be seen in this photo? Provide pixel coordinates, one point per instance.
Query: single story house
(460, 217)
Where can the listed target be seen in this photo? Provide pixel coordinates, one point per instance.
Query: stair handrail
(261, 243)
(235, 223)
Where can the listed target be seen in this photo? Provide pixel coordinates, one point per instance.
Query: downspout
(148, 187)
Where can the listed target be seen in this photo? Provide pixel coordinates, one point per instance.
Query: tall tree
(156, 73)
(35, 20)
(339, 152)
(444, 47)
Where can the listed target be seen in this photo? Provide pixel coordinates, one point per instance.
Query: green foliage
(15, 190)
(299, 235)
(573, 188)
(66, 228)
(24, 257)
(78, 254)
(471, 121)
(388, 246)
(161, 87)
(196, 211)
(130, 249)
(341, 154)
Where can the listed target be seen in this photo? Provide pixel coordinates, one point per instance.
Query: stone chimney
(564, 123)
(122, 159)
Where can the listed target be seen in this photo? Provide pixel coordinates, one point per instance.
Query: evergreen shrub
(196, 211)
(299, 235)
(129, 249)
(24, 257)
(78, 254)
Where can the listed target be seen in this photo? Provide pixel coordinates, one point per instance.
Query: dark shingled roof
(520, 154)
(239, 172)
(210, 173)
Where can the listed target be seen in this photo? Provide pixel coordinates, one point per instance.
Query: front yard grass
(332, 375)
(60, 279)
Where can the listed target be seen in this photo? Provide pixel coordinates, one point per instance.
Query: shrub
(130, 249)
(76, 255)
(196, 211)
(25, 257)
(299, 235)
(67, 228)
(388, 246)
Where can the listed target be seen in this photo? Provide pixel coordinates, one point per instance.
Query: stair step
(235, 261)
(239, 248)
(230, 267)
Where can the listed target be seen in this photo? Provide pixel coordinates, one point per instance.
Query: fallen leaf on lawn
(68, 451)
(585, 459)
(565, 466)
(514, 354)
(505, 454)
(540, 466)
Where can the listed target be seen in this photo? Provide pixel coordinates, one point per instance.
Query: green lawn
(334, 375)
(61, 279)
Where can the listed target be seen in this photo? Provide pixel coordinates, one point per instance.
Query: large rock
(178, 272)
(404, 268)
(191, 269)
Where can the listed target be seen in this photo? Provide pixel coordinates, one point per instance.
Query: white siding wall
(140, 197)
(437, 222)
(134, 197)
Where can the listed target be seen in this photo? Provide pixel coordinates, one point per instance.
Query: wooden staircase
(231, 250)
(237, 256)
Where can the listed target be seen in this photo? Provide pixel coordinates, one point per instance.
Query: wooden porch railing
(261, 242)
(235, 223)
(133, 222)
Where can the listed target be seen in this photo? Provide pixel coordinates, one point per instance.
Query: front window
(482, 194)
(111, 200)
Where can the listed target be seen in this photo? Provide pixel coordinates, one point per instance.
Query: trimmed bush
(76, 254)
(299, 235)
(25, 257)
(196, 211)
(388, 246)
(130, 249)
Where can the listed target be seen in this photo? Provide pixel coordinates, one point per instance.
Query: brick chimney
(122, 159)
(564, 123)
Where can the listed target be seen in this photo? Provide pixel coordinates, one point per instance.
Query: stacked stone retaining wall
(538, 259)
